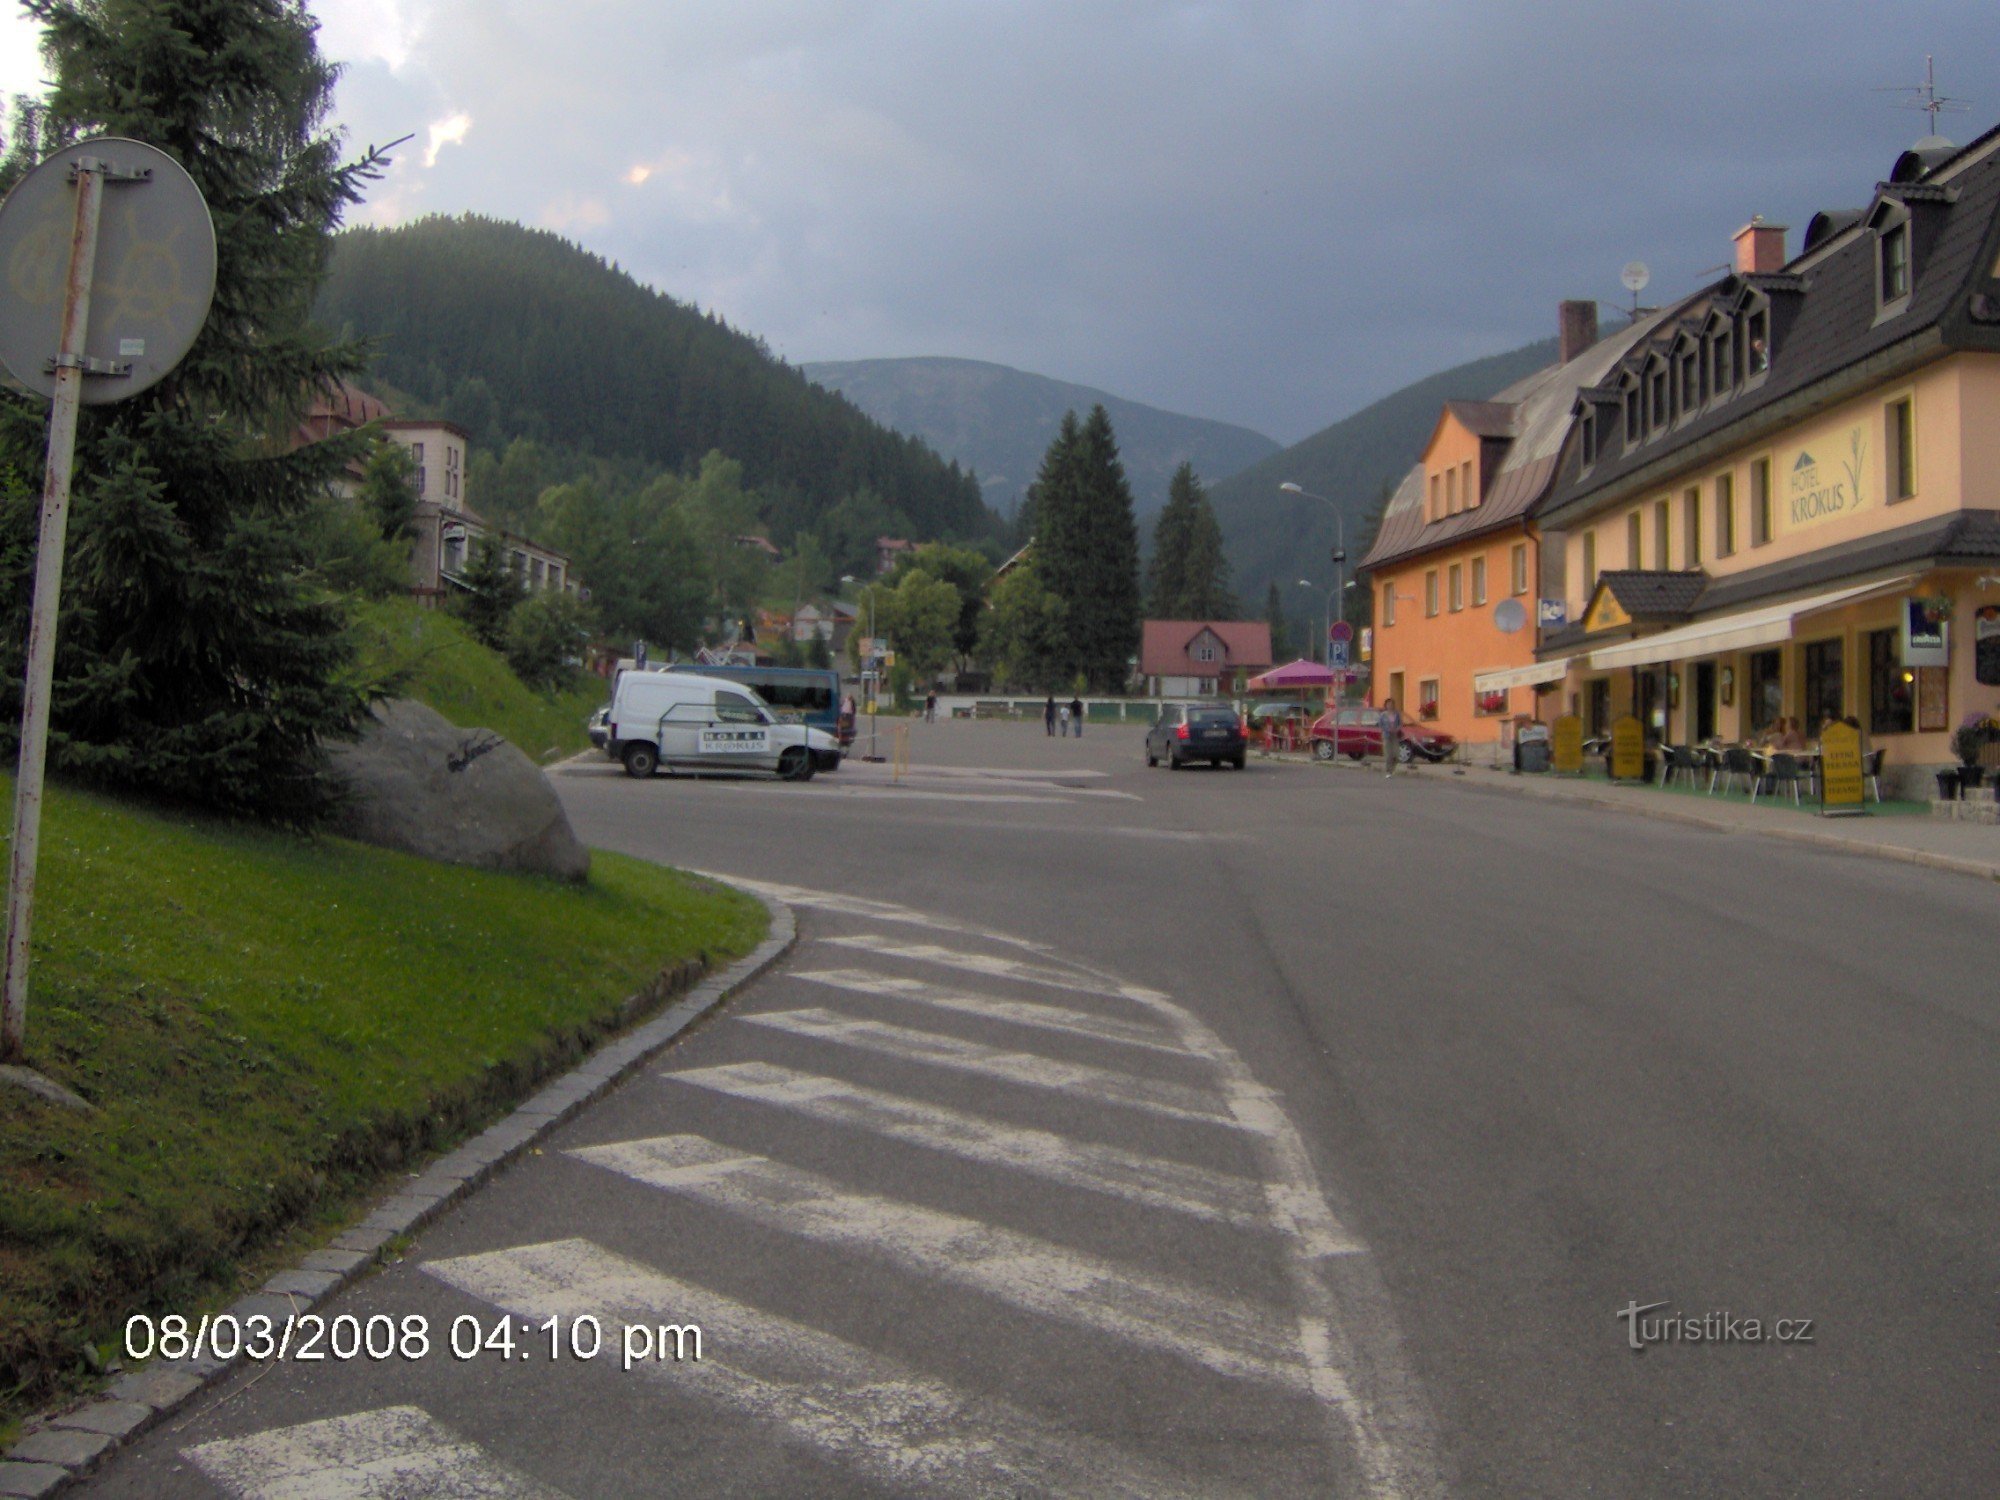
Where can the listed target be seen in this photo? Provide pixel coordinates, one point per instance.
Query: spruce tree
(1087, 548)
(1189, 575)
(198, 657)
(1166, 570)
(488, 594)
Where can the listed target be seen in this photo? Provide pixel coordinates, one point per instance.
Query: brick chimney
(1760, 247)
(1576, 328)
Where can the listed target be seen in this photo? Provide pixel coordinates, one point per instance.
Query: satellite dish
(1635, 276)
(1509, 616)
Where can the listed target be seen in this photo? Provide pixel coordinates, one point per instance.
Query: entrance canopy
(1293, 674)
(1532, 675)
(1738, 632)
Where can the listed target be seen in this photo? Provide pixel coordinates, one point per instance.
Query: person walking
(1392, 735)
(1062, 718)
(1049, 717)
(1076, 715)
(930, 708)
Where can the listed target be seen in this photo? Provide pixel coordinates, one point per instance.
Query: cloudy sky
(1266, 211)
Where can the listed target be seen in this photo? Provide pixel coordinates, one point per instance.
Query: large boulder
(416, 782)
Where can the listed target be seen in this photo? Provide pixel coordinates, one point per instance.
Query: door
(680, 733)
(1704, 701)
(739, 735)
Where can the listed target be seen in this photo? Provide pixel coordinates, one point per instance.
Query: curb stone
(63, 1449)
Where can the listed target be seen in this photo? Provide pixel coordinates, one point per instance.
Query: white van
(690, 723)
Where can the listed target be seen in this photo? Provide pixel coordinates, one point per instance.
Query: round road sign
(151, 285)
(1340, 630)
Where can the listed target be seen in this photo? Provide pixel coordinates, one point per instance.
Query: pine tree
(1087, 548)
(1189, 575)
(1166, 570)
(198, 657)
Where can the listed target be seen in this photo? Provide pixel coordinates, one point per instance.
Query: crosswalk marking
(1223, 1334)
(1019, 1012)
(1149, 1180)
(1100, 1085)
(394, 1453)
(989, 964)
(892, 1424)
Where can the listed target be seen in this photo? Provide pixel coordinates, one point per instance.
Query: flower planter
(1947, 786)
(1970, 777)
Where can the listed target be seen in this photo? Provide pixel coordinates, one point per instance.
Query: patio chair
(1784, 770)
(1871, 772)
(1678, 760)
(1736, 765)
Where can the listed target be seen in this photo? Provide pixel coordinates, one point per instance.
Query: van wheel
(796, 764)
(641, 760)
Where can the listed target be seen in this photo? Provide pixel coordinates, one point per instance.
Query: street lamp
(871, 678)
(1326, 619)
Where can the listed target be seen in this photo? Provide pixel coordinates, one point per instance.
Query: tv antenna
(1635, 276)
(1924, 96)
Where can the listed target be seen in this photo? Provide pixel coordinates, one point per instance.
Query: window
(1825, 684)
(1656, 392)
(1767, 689)
(1466, 488)
(1725, 514)
(1760, 501)
(417, 452)
(1451, 492)
(1899, 446)
(1691, 519)
(1437, 497)
(1891, 689)
(1632, 425)
(1518, 566)
(1634, 535)
(1589, 437)
(1690, 382)
(1457, 587)
(1204, 651)
(1661, 512)
(1589, 569)
(1895, 264)
(734, 708)
(1758, 342)
(1431, 592)
(421, 487)
(1427, 698)
(1723, 366)
(1478, 581)
(1389, 603)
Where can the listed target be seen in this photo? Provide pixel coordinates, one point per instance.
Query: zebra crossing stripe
(394, 1453)
(1151, 1181)
(895, 1426)
(990, 964)
(994, 1007)
(1099, 1085)
(1223, 1334)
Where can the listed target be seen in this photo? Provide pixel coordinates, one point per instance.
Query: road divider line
(1030, 1069)
(1147, 1180)
(1223, 1334)
(893, 1425)
(393, 1453)
(994, 1007)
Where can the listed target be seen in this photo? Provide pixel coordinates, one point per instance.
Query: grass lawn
(470, 684)
(267, 1026)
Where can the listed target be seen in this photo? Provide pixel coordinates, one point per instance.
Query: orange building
(1457, 565)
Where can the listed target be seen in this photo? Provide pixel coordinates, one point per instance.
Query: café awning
(1763, 626)
(1533, 675)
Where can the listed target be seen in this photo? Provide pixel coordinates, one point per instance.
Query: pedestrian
(1392, 735)
(1076, 715)
(1062, 718)
(1049, 717)
(930, 707)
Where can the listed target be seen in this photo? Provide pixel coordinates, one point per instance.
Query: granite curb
(67, 1447)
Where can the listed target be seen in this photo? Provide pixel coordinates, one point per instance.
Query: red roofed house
(1201, 658)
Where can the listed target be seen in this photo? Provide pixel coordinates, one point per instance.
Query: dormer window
(1757, 343)
(1657, 393)
(1633, 426)
(1722, 364)
(1589, 438)
(1895, 283)
(1690, 382)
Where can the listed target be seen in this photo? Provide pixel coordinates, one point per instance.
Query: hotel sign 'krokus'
(1825, 483)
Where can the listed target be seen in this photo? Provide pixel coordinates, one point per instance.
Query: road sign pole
(39, 676)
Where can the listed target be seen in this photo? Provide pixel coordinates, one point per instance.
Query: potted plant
(1936, 608)
(1978, 731)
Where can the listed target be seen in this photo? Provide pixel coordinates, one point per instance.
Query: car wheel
(1322, 749)
(795, 764)
(1406, 752)
(1239, 762)
(641, 760)
(1173, 761)
(1152, 759)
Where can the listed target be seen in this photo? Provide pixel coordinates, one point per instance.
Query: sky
(1270, 212)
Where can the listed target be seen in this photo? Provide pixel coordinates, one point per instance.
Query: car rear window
(1212, 716)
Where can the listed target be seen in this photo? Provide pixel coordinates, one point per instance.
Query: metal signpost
(109, 258)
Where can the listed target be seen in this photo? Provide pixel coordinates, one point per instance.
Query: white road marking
(1149, 1180)
(394, 1453)
(1223, 1334)
(993, 1007)
(907, 1044)
(991, 965)
(895, 1426)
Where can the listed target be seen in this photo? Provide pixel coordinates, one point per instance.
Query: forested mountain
(1276, 537)
(517, 333)
(999, 422)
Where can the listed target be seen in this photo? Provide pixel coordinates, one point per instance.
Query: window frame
(1756, 332)
(1635, 539)
(1725, 514)
(1763, 504)
(1430, 593)
(1899, 448)
(1478, 581)
(1663, 534)
(1587, 569)
(1517, 569)
(1454, 588)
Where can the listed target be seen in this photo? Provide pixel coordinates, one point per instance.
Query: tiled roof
(1649, 593)
(1163, 647)
(1487, 419)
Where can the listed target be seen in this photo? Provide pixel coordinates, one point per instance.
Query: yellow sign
(1827, 481)
(1605, 612)
(1628, 749)
(1840, 780)
(1568, 745)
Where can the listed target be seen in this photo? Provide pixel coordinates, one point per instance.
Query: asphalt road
(1277, 1132)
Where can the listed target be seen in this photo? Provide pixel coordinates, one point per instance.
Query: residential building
(1784, 501)
(1202, 658)
(888, 549)
(447, 527)
(1457, 565)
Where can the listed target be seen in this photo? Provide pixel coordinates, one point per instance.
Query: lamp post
(1326, 618)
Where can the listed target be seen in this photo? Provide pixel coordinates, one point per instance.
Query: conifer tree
(198, 657)
(1274, 614)
(1188, 578)
(1087, 548)
(488, 594)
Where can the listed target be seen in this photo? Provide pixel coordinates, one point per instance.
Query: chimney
(1576, 328)
(1760, 247)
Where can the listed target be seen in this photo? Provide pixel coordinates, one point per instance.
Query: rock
(418, 783)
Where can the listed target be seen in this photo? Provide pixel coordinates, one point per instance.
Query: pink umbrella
(1293, 674)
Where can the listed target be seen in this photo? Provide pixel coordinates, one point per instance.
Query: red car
(1356, 733)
